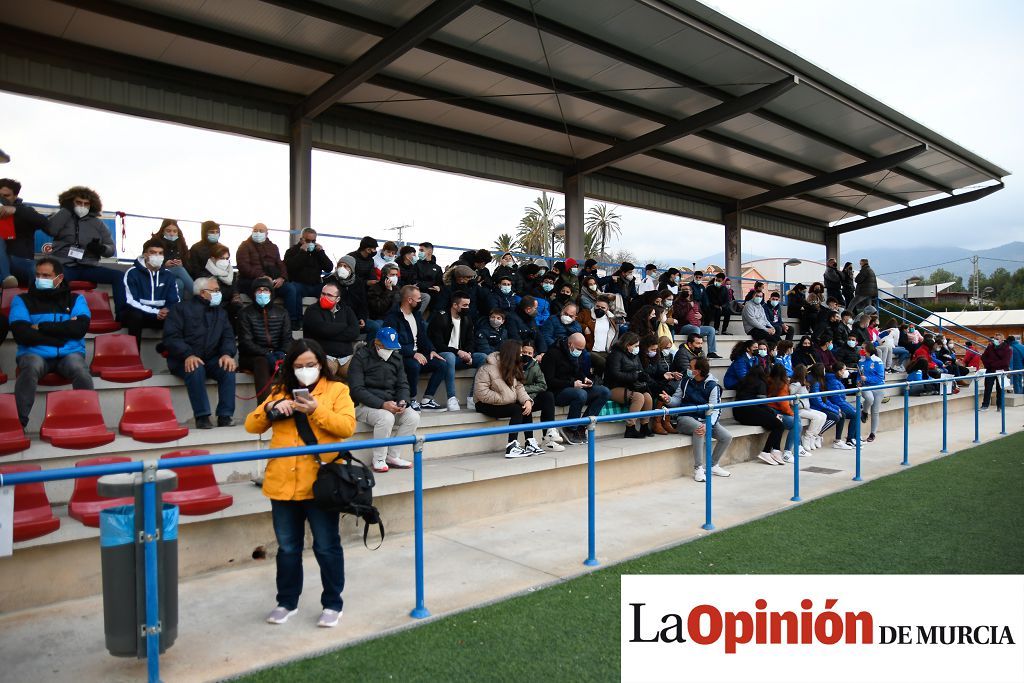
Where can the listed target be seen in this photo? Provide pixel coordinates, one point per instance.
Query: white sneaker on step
(767, 457)
(698, 474)
(777, 457)
(453, 405)
(553, 435)
(719, 471)
(398, 463)
(514, 450)
(841, 445)
(470, 403)
(552, 445)
(787, 457)
(532, 447)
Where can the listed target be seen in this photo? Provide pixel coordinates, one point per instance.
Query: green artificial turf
(962, 514)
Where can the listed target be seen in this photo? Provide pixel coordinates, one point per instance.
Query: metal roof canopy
(661, 104)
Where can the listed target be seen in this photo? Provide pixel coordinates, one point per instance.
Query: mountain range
(897, 263)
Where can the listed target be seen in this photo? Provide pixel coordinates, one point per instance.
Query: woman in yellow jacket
(288, 482)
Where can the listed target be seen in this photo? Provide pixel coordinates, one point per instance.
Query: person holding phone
(568, 372)
(500, 393)
(306, 400)
(381, 392)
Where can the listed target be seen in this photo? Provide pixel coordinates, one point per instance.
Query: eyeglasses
(330, 296)
(212, 290)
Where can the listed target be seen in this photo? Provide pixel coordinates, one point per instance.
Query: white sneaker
(514, 450)
(279, 615)
(698, 474)
(470, 403)
(787, 457)
(428, 403)
(398, 463)
(806, 446)
(532, 447)
(817, 441)
(777, 457)
(767, 457)
(841, 445)
(719, 471)
(328, 619)
(552, 445)
(553, 435)
(453, 405)
(380, 465)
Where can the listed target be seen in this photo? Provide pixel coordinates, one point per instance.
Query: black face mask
(526, 359)
(599, 312)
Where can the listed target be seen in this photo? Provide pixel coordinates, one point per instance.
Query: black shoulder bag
(344, 485)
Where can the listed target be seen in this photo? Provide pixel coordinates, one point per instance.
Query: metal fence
(149, 469)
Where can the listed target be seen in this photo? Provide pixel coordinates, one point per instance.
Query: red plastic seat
(102, 319)
(8, 297)
(116, 359)
(197, 492)
(12, 434)
(81, 285)
(86, 502)
(33, 516)
(3, 377)
(74, 420)
(149, 416)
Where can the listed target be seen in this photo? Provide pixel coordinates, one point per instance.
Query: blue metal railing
(906, 304)
(149, 468)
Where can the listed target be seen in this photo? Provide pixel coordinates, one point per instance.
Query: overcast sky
(956, 67)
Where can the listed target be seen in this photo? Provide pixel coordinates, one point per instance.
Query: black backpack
(344, 485)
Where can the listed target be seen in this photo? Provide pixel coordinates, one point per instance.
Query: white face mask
(844, 374)
(385, 354)
(307, 376)
(392, 280)
(81, 211)
(223, 264)
(343, 273)
(155, 260)
(259, 237)
(592, 287)
(566, 320)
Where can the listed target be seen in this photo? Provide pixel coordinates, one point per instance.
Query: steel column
(574, 227)
(300, 177)
(733, 246)
(420, 611)
(591, 560)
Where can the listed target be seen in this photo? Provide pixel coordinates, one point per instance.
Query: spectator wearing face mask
(669, 280)
(264, 335)
(218, 266)
(743, 357)
(418, 353)
(176, 254)
(331, 323)
(507, 267)
(522, 325)
(831, 406)
(692, 348)
(600, 331)
(997, 356)
(461, 278)
(621, 282)
(387, 254)
(717, 295)
(453, 335)
(353, 293)
(872, 373)
(150, 291)
(259, 257)
(823, 352)
(19, 251)
(589, 292)
(699, 388)
(755, 322)
(849, 283)
(561, 326)
(1016, 363)
(629, 384)
(773, 311)
(833, 281)
(784, 356)
(649, 282)
(199, 253)
(698, 289)
(848, 353)
(756, 290)
(380, 390)
(688, 313)
(306, 263)
(570, 276)
(568, 372)
(382, 297)
(477, 260)
(804, 354)
(543, 399)
(544, 292)
(491, 336)
(407, 272)
(834, 381)
(563, 297)
(662, 380)
(362, 261)
(429, 276)
(504, 296)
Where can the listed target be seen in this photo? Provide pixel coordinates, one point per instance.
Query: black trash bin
(123, 565)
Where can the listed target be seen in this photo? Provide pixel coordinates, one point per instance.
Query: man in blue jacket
(49, 323)
(1016, 363)
(561, 326)
(200, 345)
(150, 291)
(418, 354)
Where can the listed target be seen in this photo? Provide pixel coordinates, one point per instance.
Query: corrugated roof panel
(612, 190)
(328, 40)
(369, 96)
(251, 18)
(213, 59)
(414, 65)
(288, 77)
(114, 34)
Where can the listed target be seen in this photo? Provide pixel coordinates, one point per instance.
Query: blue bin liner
(117, 525)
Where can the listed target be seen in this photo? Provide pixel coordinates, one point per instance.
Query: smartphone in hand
(301, 394)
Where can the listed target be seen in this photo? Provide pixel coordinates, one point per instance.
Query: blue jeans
(99, 275)
(787, 422)
(437, 369)
(185, 282)
(454, 363)
(23, 268)
(5, 262)
(195, 383)
(290, 517)
(594, 397)
(900, 354)
(1018, 383)
(705, 331)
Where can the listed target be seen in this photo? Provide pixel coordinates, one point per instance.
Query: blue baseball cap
(389, 338)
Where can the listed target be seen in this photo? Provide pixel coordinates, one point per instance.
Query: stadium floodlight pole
(420, 611)
(591, 560)
(708, 475)
(906, 424)
(856, 419)
(796, 451)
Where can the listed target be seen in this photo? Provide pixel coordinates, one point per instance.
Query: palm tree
(505, 242)
(533, 234)
(603, 223)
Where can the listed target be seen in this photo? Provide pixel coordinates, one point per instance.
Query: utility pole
(401, 232)
(976, 289)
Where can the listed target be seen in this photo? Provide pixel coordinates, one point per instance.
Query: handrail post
(149, 531)
(977, 432)
(1001, 378)
(708, 448)
(796, 451)
(906, 425)
(945, 400)
(856, 418)
(591, 560)
(420, 611)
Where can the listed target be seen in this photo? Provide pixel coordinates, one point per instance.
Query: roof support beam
(833, 178)
(408, 36)
(691, 124)
(917, 209)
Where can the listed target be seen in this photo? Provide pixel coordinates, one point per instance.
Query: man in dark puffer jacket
(264, 333)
